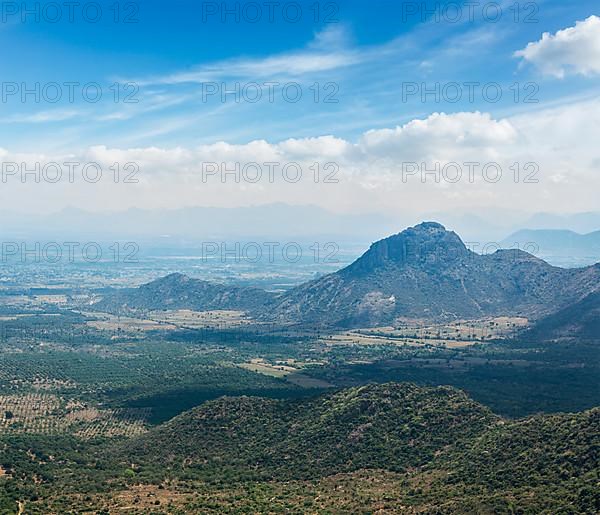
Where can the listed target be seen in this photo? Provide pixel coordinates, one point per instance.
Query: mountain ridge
(178, 291)
(423, 272)
(427, 272)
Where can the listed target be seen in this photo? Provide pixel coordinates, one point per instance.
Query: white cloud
(573, 50)
(370, 168)
(440, 133)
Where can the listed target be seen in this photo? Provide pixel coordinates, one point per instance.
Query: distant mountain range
(494, 224)
(191, 225)
(424, 272)
(557, 246)
(556, 240)
(278, 220)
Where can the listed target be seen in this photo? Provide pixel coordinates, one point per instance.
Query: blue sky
(376, 47)
(358, 56)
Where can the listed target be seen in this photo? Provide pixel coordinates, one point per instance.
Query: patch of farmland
(127, 324)
(42, 413)
(218, 319)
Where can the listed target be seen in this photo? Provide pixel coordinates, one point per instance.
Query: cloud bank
(435, 162)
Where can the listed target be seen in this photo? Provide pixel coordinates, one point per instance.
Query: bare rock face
(423, 245)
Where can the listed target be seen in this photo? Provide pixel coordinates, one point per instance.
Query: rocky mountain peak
(428, 243)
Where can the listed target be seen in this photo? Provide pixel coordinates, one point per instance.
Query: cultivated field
(464, 333)
(48, 414)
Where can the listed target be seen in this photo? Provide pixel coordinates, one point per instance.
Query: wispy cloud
(54, 115)
(327, 51)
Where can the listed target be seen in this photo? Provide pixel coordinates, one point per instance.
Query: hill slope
(580, 321)
(396, 425)
(433, 447)
(389, 448)
(177, 291)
